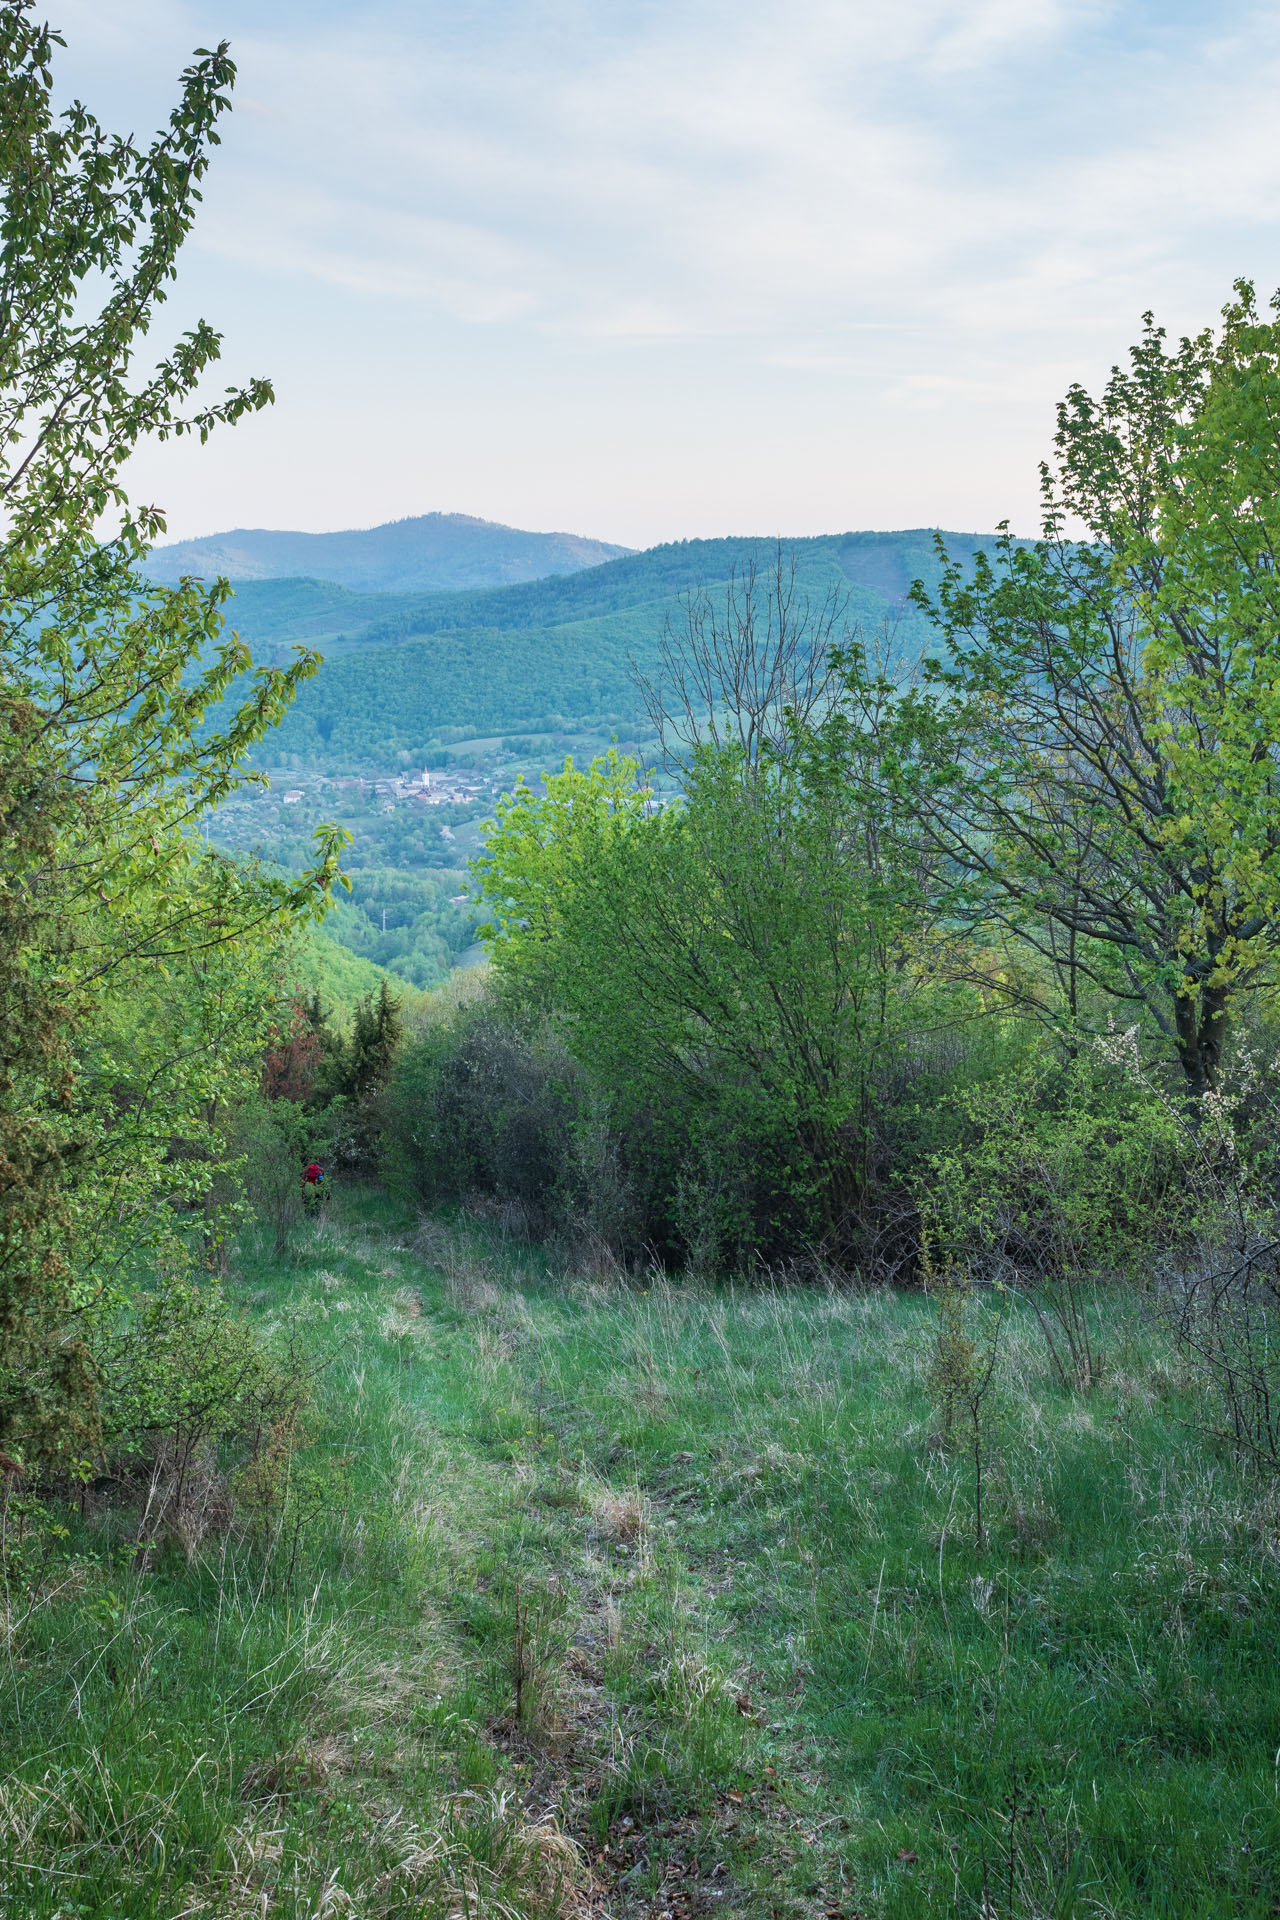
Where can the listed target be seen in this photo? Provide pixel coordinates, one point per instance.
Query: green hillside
(880, 566)
(275, 615)
(400, 668)
(342, 978)
(366, 708)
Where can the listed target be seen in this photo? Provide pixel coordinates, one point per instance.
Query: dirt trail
(598, 1636)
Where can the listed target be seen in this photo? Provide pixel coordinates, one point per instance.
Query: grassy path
(599, 1600)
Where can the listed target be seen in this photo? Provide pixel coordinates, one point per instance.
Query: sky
(656, 269)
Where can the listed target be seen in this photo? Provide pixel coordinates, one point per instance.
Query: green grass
(764, 1666)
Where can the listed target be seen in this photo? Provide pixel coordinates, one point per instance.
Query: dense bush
(488, 1106)
(734, 976)
(476, 1107)
(1058, 1167)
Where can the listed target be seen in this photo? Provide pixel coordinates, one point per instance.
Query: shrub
(194, 1396)
(1062, 1175)
(478, 1106)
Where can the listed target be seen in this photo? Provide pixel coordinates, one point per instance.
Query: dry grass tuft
(401, 1318)
(471, 1282)
(490, 1857)
(475, 1293)
(686, 1683)
(624, 1516)
(432, 1241)
(1032, 1523)
(308, 1769)
(590, 1261)
(772, 1465)
(187, 1496)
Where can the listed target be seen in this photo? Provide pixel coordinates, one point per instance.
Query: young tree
(376, 1033)
(735, 970)
(353, 1071)
(109, 749)
(538, 854)
(1100, 747)
(748, 667)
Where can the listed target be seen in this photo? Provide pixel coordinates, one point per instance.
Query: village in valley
(422, 812)
(423, 789)
(414, 828)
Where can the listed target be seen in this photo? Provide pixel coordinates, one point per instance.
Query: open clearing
(622, 1599)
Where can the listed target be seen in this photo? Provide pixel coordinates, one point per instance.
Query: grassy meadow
(586, 1597)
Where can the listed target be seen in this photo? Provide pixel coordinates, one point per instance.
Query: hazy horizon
(745, 533)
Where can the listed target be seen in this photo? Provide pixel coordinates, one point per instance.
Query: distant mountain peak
(423, 553)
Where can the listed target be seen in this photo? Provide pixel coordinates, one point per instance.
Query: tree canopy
(107, 890)
(1098, 747)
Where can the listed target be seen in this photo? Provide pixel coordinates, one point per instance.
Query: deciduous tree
(109, 746)
(1099, 751)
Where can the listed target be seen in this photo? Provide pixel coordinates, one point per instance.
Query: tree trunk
(1202, 1032)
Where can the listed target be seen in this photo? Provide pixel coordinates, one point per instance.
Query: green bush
(1063, 1176)
(192, 1395)
(1058, 1168)
(476, 1106)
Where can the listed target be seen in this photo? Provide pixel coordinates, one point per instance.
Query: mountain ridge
(875, 568)
(424, 553)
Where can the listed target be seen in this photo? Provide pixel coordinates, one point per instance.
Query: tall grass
(717, 1543)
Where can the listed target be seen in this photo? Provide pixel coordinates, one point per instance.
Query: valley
(483, 688)
(412, 907)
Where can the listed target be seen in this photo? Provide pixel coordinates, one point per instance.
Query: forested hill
(400, 667)
(432, 552)
(879, 565)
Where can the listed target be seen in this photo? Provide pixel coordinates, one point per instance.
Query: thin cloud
(666, 222)
(682, 185)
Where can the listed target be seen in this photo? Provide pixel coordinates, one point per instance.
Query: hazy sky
(653, 268)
